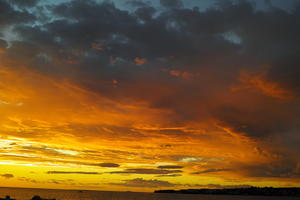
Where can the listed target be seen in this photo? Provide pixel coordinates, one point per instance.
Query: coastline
(251, 191)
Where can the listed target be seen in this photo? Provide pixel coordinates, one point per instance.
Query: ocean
(27, 194)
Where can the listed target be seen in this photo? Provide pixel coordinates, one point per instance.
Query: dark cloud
(8, 15)
(7, 176)
(170, 167)
(145, 14)
(282, 168)
(284, 70)
(3, 44)
(169, 175)
(24, 3)
(71, 172)
(137, 3)
(146, 171)
(211, 171)
(108, 165)
(171, 3)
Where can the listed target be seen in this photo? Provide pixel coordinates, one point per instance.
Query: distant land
(257, 191)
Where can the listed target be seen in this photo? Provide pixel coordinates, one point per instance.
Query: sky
(137, 95)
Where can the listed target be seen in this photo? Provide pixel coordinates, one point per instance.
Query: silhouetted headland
(257, 191)
(7, 198)
(39, 198)
(36, 197)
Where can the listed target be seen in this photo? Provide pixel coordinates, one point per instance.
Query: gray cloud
(137, 3)
(24, 3)
(169, 175)
(10, 16)
(171, 3)
(3, 44)
(281, 168)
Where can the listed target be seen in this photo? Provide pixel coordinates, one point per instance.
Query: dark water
(26, 194)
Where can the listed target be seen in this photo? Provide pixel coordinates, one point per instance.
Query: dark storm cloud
(94, 22)
(122, 31)
(24, 3)
(285, 70)
(146, 171)
(8, 15)
(183, 33)
(137, 3)
(171, 3)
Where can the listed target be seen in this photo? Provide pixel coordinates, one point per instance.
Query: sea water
(27, 194)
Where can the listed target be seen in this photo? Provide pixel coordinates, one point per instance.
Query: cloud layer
(157, 89)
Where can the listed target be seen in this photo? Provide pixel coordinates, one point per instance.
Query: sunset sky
(142, 95)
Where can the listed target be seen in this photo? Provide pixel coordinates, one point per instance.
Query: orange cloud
(97, 46)
(184, 75)
(259, 82)
(2, 51)
(140, 61)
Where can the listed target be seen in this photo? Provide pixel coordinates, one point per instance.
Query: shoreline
(251, 191)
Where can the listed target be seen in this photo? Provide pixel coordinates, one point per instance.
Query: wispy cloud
(170, 167)
(146, 171)
(73, 172)
(211, 171)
